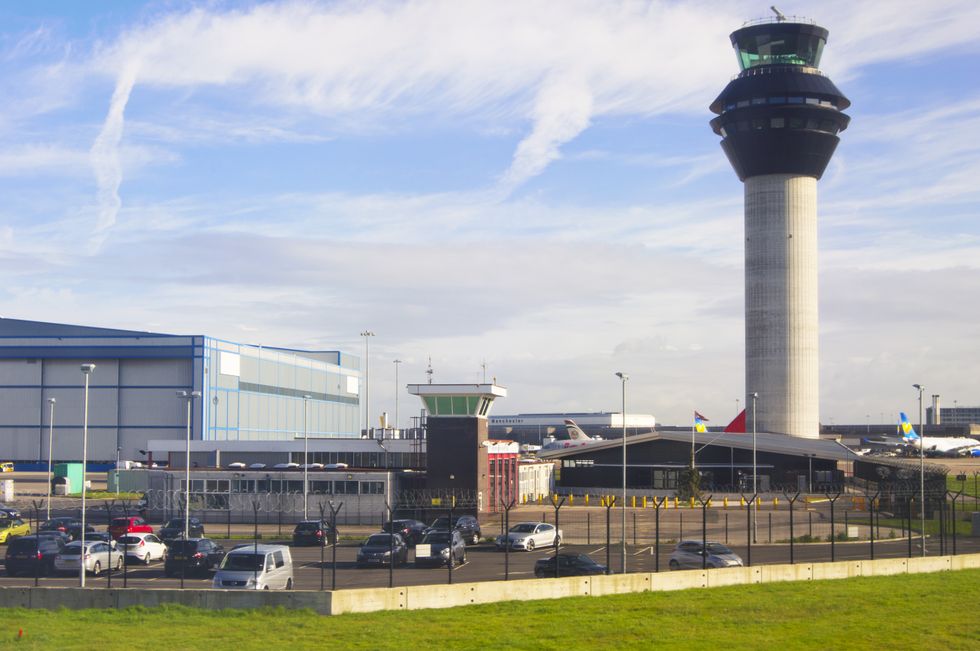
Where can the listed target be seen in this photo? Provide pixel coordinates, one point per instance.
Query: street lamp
(755, 474)
(306, 460)
(623, 377)
(396, 362)
(367, 334)
(86, 371)
(922, 470)
(51, 402)
(189, 397)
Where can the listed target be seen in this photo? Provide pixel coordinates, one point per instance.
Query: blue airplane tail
(908, 432)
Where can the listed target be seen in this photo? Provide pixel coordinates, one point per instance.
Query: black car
(195, 555)
(380, 548)
(68, 525)
(313, 532)
(175, 529)
(26, 553)
(411, 531)
(568, 565)
(54, 533)
(467, 526)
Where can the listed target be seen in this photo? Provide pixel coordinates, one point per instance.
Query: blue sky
(533, 185)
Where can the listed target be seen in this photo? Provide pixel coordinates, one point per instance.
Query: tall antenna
(484, 365)
(428, 371)
(779, 15)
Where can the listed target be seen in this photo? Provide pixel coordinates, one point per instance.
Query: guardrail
(463, 594)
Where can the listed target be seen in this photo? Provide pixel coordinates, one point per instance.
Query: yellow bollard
(775, 502)
(571, 499)
(709, 502)
(677, 502)
(758, 501)
(602, 501)
(644, 501)
(586, 499)
(539, 500)
(741, 501)
(691, 502)
(633, 497)
(725, 503)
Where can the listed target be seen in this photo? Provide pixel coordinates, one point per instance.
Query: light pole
(922, 470)
(755, 474)
(623, 377)
(189, 397)
(51, 402)
(306, 459)
(86, 371)
(367, 334)
(118, 453)
(396, 362)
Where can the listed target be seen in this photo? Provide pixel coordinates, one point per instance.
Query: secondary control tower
(779, 120)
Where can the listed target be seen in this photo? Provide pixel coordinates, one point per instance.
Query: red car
(121, 526)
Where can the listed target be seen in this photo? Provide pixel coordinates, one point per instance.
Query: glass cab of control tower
(778, 43)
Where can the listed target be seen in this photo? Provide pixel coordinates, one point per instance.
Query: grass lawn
(862, 613)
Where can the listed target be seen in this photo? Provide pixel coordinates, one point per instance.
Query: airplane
(949, 446)
(571, 438)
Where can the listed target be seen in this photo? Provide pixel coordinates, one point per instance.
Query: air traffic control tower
(779, 120)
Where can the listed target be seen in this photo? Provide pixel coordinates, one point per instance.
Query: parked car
(313, 532)
(6, 466)
(68, 525)
(54, 533)
(12, 528)
(142, 547)
(96, 558)
(689, 554)
(195, 555)
(9, 510)
(75, 531)
(25, 554)
(568, 565)
(381, 549)
(439, 548)
(411, 531)
(466, 525)
(121, 526)
(530, 535)
(174, 528)
(256, 567)
(100, 536)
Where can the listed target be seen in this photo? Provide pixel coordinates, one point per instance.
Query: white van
(256, 567)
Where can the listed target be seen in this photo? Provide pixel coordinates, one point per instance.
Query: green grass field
(924, 611)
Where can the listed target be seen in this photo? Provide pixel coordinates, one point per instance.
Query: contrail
(105, 157)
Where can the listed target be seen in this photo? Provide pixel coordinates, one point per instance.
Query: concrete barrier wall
(463, 594)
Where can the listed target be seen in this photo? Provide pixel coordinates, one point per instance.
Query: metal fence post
(833, 532)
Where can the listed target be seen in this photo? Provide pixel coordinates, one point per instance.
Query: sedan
(196, 555)
(690, 554)
(568, 565)
(98, 556)
(381, 549)
(11, 528)
(174, 529)
(530, 535)
(144, 547)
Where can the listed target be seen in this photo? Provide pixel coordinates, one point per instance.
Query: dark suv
(24, 555)
(195, 555)
(313, 532)
(175, 529)
(411, 531)
(467, 526)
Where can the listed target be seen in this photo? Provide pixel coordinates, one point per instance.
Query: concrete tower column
(781, 334)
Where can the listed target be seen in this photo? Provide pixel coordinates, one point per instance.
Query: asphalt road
(484, 563)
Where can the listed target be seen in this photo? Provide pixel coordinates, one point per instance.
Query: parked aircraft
(572, 437)
(946, 445)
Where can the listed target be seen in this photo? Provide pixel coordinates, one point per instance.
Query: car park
(568, 565)
(12, 528)
(439, 548)
(32, 554)
(174, 528)
(256, 567)
(529, 536)
(194, 555)
(313, 532)
(142, 547)
(97, 557)
(121, 526)
(690, 554)
(411, 531)
(467, 526)
(382, 549)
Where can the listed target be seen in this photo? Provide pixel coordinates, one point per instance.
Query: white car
(98, 556)
(530, 535)
(143, 547)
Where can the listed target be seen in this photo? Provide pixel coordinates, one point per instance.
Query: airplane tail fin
(737, 426)
(575, 432)
(908, 432)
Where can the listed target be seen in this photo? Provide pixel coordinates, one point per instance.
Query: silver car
(98, 556)
(530, 535)
(689, 554)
